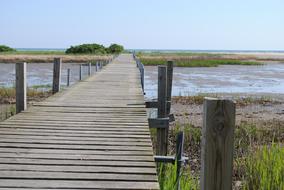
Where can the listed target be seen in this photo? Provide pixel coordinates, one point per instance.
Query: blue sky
(144, 24)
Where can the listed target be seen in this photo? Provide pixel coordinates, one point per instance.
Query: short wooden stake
(217, 144)
(56, 75)
(68, 76)
(21, 87)
(162, 141)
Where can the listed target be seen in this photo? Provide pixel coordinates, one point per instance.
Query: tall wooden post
(89, 69)
(56, 75)
(68, 76)
(21, 87)
(80, 72)
(162, 141)
(97, 66)
(217, 144)
(169, 84)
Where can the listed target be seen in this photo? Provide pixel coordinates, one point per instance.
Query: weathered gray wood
(162, 140)
(80, 72)
(154, 104)
(75, 176)
(21, 87)
(89, 69)
(78, 184)
(97, 66)
(68, 77)
(169, 84)
(94, 135)
(179, 157)
(56, 75)
(217, 144)
(159, 123)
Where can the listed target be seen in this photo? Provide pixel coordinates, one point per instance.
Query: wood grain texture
(21, 87)
(217, 144)
(56, 75)
(162, 140)
(94, 135)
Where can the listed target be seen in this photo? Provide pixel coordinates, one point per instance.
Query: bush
(87, 49)
(94, 49)
(115, 49)
(4, 48)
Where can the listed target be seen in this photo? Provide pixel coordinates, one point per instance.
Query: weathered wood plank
(94, 135)
(78, 184)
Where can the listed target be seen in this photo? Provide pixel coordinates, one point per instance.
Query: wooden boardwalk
(94, 135)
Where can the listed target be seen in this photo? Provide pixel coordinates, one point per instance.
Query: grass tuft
(265, 169)
(168, 179)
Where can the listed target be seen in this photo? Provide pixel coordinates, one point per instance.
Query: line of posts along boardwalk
(94, 135)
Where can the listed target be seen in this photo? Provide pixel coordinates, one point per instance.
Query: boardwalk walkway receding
(94, 135)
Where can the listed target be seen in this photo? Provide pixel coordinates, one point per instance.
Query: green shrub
(4, 48)
(115, 49)
(265, 169)
(94, 49)
(86, 49)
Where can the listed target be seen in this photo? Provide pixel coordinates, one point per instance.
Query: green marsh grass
(34, 93)
(168, 179)
(198, 63)
(265, 169)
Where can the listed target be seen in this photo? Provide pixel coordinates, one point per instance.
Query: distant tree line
(95, 49)
(4, 48)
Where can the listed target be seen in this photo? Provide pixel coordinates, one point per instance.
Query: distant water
(167, 50)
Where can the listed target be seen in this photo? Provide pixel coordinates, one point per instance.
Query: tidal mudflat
(267, 79)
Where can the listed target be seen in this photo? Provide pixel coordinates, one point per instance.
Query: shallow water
(267, 78)
(39, 74)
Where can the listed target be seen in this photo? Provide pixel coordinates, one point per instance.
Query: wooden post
(21, 87)
(81, 72)
(162, 141)
(97, 65)
(179, 157)
(89, 69)
(68, 77)
(56, 75)
(217, 144)
(169, 84)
